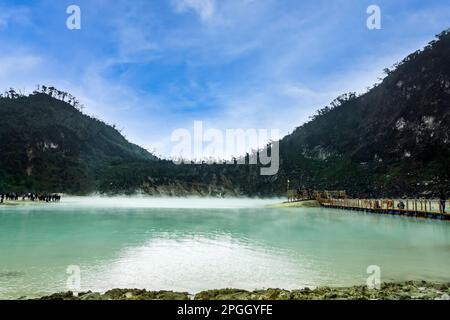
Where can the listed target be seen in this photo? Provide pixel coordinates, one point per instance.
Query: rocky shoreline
(410, 290)
(296, 204)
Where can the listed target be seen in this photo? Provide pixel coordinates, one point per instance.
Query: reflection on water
(234, 243)
(11, 274)
(191, 262)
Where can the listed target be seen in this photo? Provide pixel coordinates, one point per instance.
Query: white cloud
(18, 63)
(204, 8)
(3, 23)
(18, 14)
(20, 71)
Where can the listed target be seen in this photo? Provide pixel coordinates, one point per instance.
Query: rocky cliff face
(218, 187)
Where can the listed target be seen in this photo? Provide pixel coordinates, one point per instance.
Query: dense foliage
(49, 145)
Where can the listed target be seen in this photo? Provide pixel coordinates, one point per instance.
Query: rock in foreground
(410, 290)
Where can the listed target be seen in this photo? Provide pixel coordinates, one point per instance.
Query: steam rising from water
(165, 202)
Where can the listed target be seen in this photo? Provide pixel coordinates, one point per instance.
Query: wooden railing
(417, 206)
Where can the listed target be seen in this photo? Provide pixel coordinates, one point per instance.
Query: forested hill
(49, 144)
(393, 140)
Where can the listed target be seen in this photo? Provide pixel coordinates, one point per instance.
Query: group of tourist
(13, 196)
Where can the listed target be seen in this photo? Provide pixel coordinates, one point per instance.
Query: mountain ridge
(393, 140)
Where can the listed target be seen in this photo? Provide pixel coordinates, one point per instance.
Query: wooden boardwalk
(424, 208)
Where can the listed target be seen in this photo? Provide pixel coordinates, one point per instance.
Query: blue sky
(151, 67)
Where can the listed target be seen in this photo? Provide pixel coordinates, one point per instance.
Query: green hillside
(48, 144)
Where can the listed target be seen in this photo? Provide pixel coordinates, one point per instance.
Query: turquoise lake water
(194, 244)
